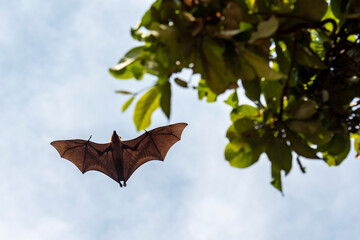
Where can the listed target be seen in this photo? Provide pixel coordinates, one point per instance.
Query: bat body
(119, 159)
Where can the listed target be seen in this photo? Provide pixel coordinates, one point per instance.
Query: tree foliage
(298, 62)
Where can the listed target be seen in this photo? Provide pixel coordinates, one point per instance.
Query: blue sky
(54, 60)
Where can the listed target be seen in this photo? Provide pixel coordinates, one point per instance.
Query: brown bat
(119, 159)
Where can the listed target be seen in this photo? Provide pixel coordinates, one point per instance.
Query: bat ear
(115, 138)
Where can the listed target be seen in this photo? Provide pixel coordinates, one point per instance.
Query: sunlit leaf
(335, 160)
(244, 111)
(128, 67)
(205, 91)
(232, 100)
(240, 155)
(127, 104)
(144, 108)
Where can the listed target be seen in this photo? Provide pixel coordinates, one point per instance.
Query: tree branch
(286, 86)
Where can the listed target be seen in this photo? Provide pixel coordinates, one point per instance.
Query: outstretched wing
(152, 145)
(87, 155)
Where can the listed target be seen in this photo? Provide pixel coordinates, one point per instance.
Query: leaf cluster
(299, 65)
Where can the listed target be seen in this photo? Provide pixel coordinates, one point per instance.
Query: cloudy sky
(54, 60)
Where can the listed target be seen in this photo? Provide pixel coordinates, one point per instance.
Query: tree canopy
(298, 61)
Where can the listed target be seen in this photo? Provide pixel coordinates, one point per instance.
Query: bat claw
(124, 184)
(121, 184)
(89, 138)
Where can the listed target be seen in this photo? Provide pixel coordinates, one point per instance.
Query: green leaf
(262, 68)
(181, 82)
(232, 134)
(265, 29)
(127, 104)
(331, 157)
(128, 67)
(336, 7)
(212, 67)
(205, 91)
(300, 146)
(279, 154)
(337, 145)
(165, 101)
(240, 155)
(144, 108)
(149, 17)
(357, 145)
(202, 89)
(211, 96)
(305, 127)
(124, 92)
(272, 92)
(242, 68)
(252, 89)
(356, 138)
(311, 9)
(243, 125)
(321, 136)
(343, 9)
(304, 110)
(305, 56)
(245, 111)
(282, 59)
(233, 100)
(276, 177)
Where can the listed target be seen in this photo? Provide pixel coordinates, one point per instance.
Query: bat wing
(87, 155)
(152, 145)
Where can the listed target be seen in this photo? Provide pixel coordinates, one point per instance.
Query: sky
(55, 84)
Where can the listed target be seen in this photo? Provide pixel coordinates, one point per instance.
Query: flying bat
(119, 159)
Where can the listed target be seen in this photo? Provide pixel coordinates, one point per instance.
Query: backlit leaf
(244, 111)
(127, 104)
(233, 100)
(124, 92)
(276, 177)
(265, 29)
(214, 69)
(305, 110)
(310, 9)
(165, 101)
(262, 67)
(181, 83)
(240, 156)
(144, 108)
(300, 146)
(279, 154)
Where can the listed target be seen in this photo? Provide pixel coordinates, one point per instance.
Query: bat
(119, 159)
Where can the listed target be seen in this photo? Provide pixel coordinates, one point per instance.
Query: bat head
(115, 138)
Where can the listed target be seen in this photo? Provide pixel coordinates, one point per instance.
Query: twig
(286, 86)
